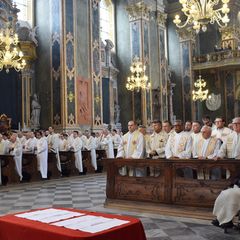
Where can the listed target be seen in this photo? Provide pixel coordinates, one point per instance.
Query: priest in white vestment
(220, 131)
(131, 146)
(231, 147)
(76, 147)
(227, 205)
(106, 143)
(90, 145)
(42, 154)
(53, 145)
(15, 149)
(196, 136)
(179, 144)
(155, 146)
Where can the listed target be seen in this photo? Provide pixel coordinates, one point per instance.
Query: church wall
(43, 76)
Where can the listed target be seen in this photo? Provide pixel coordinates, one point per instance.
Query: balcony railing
(217, 59)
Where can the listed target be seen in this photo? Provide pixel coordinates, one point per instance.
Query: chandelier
(201, 12)
(200, 94)
(138, 80)
(10, 56)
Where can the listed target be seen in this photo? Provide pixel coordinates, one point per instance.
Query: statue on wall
(35, 114)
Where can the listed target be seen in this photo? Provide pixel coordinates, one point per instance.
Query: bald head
(206, 132)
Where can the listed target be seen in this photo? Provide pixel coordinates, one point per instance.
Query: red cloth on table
(15, 228)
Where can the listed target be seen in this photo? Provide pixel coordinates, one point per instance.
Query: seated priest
(227, 205)
(231, 147)
(131, 146)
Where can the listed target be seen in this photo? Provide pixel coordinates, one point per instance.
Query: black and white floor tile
(88, 192)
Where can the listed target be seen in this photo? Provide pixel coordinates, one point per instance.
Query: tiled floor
(88, 192)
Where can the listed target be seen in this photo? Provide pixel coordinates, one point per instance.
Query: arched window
(26, 10)
(107, 20)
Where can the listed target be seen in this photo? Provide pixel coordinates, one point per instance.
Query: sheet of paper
(49, 215)
(94, 228)
(89, 223)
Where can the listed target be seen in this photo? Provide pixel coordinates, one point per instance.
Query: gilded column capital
(138, 11)
(186, 34)
(161, 18)
(230, 32)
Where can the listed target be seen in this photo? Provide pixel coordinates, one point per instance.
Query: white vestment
(227, 205)
(30, 144)
(90, 145)
(77, 148)
(17, 153)
(179, 145)
(42, 156)
(107, 144)
(53, 145)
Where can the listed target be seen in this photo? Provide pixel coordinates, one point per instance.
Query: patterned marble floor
(88, 192)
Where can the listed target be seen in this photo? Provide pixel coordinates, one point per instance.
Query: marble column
(187, 40)
(27, 77)
(163, 65)
(97, 119)
(139, 14)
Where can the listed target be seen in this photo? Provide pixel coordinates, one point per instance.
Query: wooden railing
(217, 59)
(182, 182)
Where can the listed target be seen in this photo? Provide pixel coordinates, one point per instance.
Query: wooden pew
(101, 154)
(67, 160)
(170, 187)
(29, 165)
(86, 158)
(52, 165)
(8, 169)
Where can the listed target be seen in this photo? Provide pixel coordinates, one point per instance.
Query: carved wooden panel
(170, 186)
(83, 99)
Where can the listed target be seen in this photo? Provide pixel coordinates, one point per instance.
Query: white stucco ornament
(213, 102)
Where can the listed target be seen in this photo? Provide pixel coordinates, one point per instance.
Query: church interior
(125, 108)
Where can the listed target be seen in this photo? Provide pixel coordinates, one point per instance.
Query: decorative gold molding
(70, 96)
(56, 119)
(71, 119)
(69, 38)
(161, 19)
(56, 74)
(186, 34)
(70, 73)
(138, 11)
(55, 38)
(98, 120)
